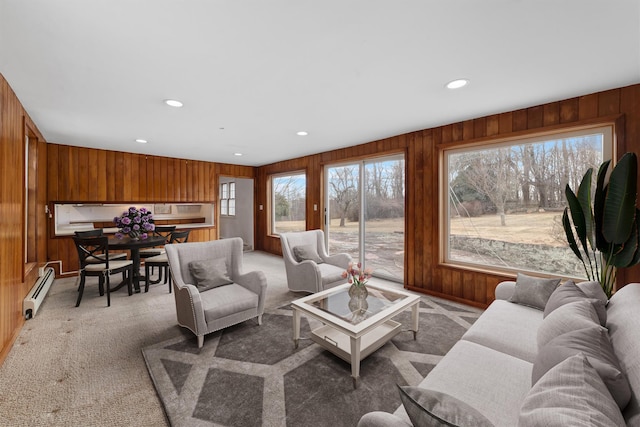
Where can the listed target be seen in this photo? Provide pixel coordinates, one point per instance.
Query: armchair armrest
(256, 282)
(189, 308)
(339, 260)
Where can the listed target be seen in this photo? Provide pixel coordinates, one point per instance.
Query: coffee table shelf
(340, 344)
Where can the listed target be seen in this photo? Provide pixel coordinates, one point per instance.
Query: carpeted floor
(84, 366)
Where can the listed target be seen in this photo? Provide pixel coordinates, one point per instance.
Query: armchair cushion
(307, 252)
(227, 300)
(210, 273)
(330, 273)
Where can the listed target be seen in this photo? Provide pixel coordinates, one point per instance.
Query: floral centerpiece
(134, 222)
(358, 279)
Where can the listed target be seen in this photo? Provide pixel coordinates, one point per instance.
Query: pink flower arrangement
(356, 275)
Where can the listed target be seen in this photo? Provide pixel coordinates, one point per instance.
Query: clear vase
(358, 298)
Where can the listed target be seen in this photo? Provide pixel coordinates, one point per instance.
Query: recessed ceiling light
(302, 133)
(457, 84)
(141, 141)
(237, 154)
(173, 103)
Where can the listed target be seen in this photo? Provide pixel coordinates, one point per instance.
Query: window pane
(232, 207)
(232, 190)
(505, 202)
(288, 203)
(224, 194)
(223, 207)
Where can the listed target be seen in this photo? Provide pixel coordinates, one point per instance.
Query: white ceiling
(252, 73)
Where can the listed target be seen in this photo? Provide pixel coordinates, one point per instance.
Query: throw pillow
(594, 290)
(431, 408)
(570, 394)
(570, 292)
(595, 345)
(569, 317)
(307, 252)
(210, 273)
(533, 291)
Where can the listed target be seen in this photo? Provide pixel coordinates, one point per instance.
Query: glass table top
(353, 310)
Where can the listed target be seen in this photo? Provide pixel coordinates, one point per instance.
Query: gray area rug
(250, 375)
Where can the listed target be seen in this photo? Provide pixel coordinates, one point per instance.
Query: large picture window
(503, 202)
(288, 201)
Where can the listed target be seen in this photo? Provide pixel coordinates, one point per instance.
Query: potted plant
(606, 226)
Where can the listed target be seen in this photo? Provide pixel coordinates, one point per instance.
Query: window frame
(272, 194)
(612, 137)
(228, 198)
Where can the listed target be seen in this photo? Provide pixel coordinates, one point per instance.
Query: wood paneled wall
(17, 277)
(78, 174)
(423, 270)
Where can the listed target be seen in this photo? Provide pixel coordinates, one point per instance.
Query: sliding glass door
(365, 213)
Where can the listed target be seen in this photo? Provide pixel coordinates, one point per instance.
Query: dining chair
(162, 261)
(99, 232)
(89, 249)
(159, 231)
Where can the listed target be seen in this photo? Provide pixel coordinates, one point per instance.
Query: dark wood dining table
(134, 246)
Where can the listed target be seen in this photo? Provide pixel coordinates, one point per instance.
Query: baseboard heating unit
(37, 294)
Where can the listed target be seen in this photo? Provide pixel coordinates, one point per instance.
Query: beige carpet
(84, 366)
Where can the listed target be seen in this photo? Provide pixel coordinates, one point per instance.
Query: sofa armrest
(189, 308)
(256, 282)
(381, 419)
(505, 290)
(339, 260)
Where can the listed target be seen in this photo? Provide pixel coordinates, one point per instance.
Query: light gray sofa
(490, 368)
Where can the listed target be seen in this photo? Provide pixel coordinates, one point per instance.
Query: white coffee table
(353, 334)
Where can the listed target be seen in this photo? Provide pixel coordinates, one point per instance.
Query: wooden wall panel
(423, 268)
(16, 277)
(124, 178)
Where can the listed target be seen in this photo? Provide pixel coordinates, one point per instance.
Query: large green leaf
(626, 252)
(598, 206)
(577, 216)
(584, 198)
(566, 224)
(636, 257)
(620, 200)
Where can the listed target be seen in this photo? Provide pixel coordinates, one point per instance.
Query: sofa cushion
(623, 322)
(569, 317)
(492, 382)
(307, 253)
(533, 291)
(508, 328)
(570, 394)
(431, 408)
(209, 273)
(593, 289)
(594, 344)
(570, 292)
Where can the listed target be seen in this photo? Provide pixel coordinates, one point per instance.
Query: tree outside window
(289, 198)
(504, 201)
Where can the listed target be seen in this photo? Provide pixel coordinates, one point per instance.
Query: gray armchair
(205, 311)
(309, 267)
